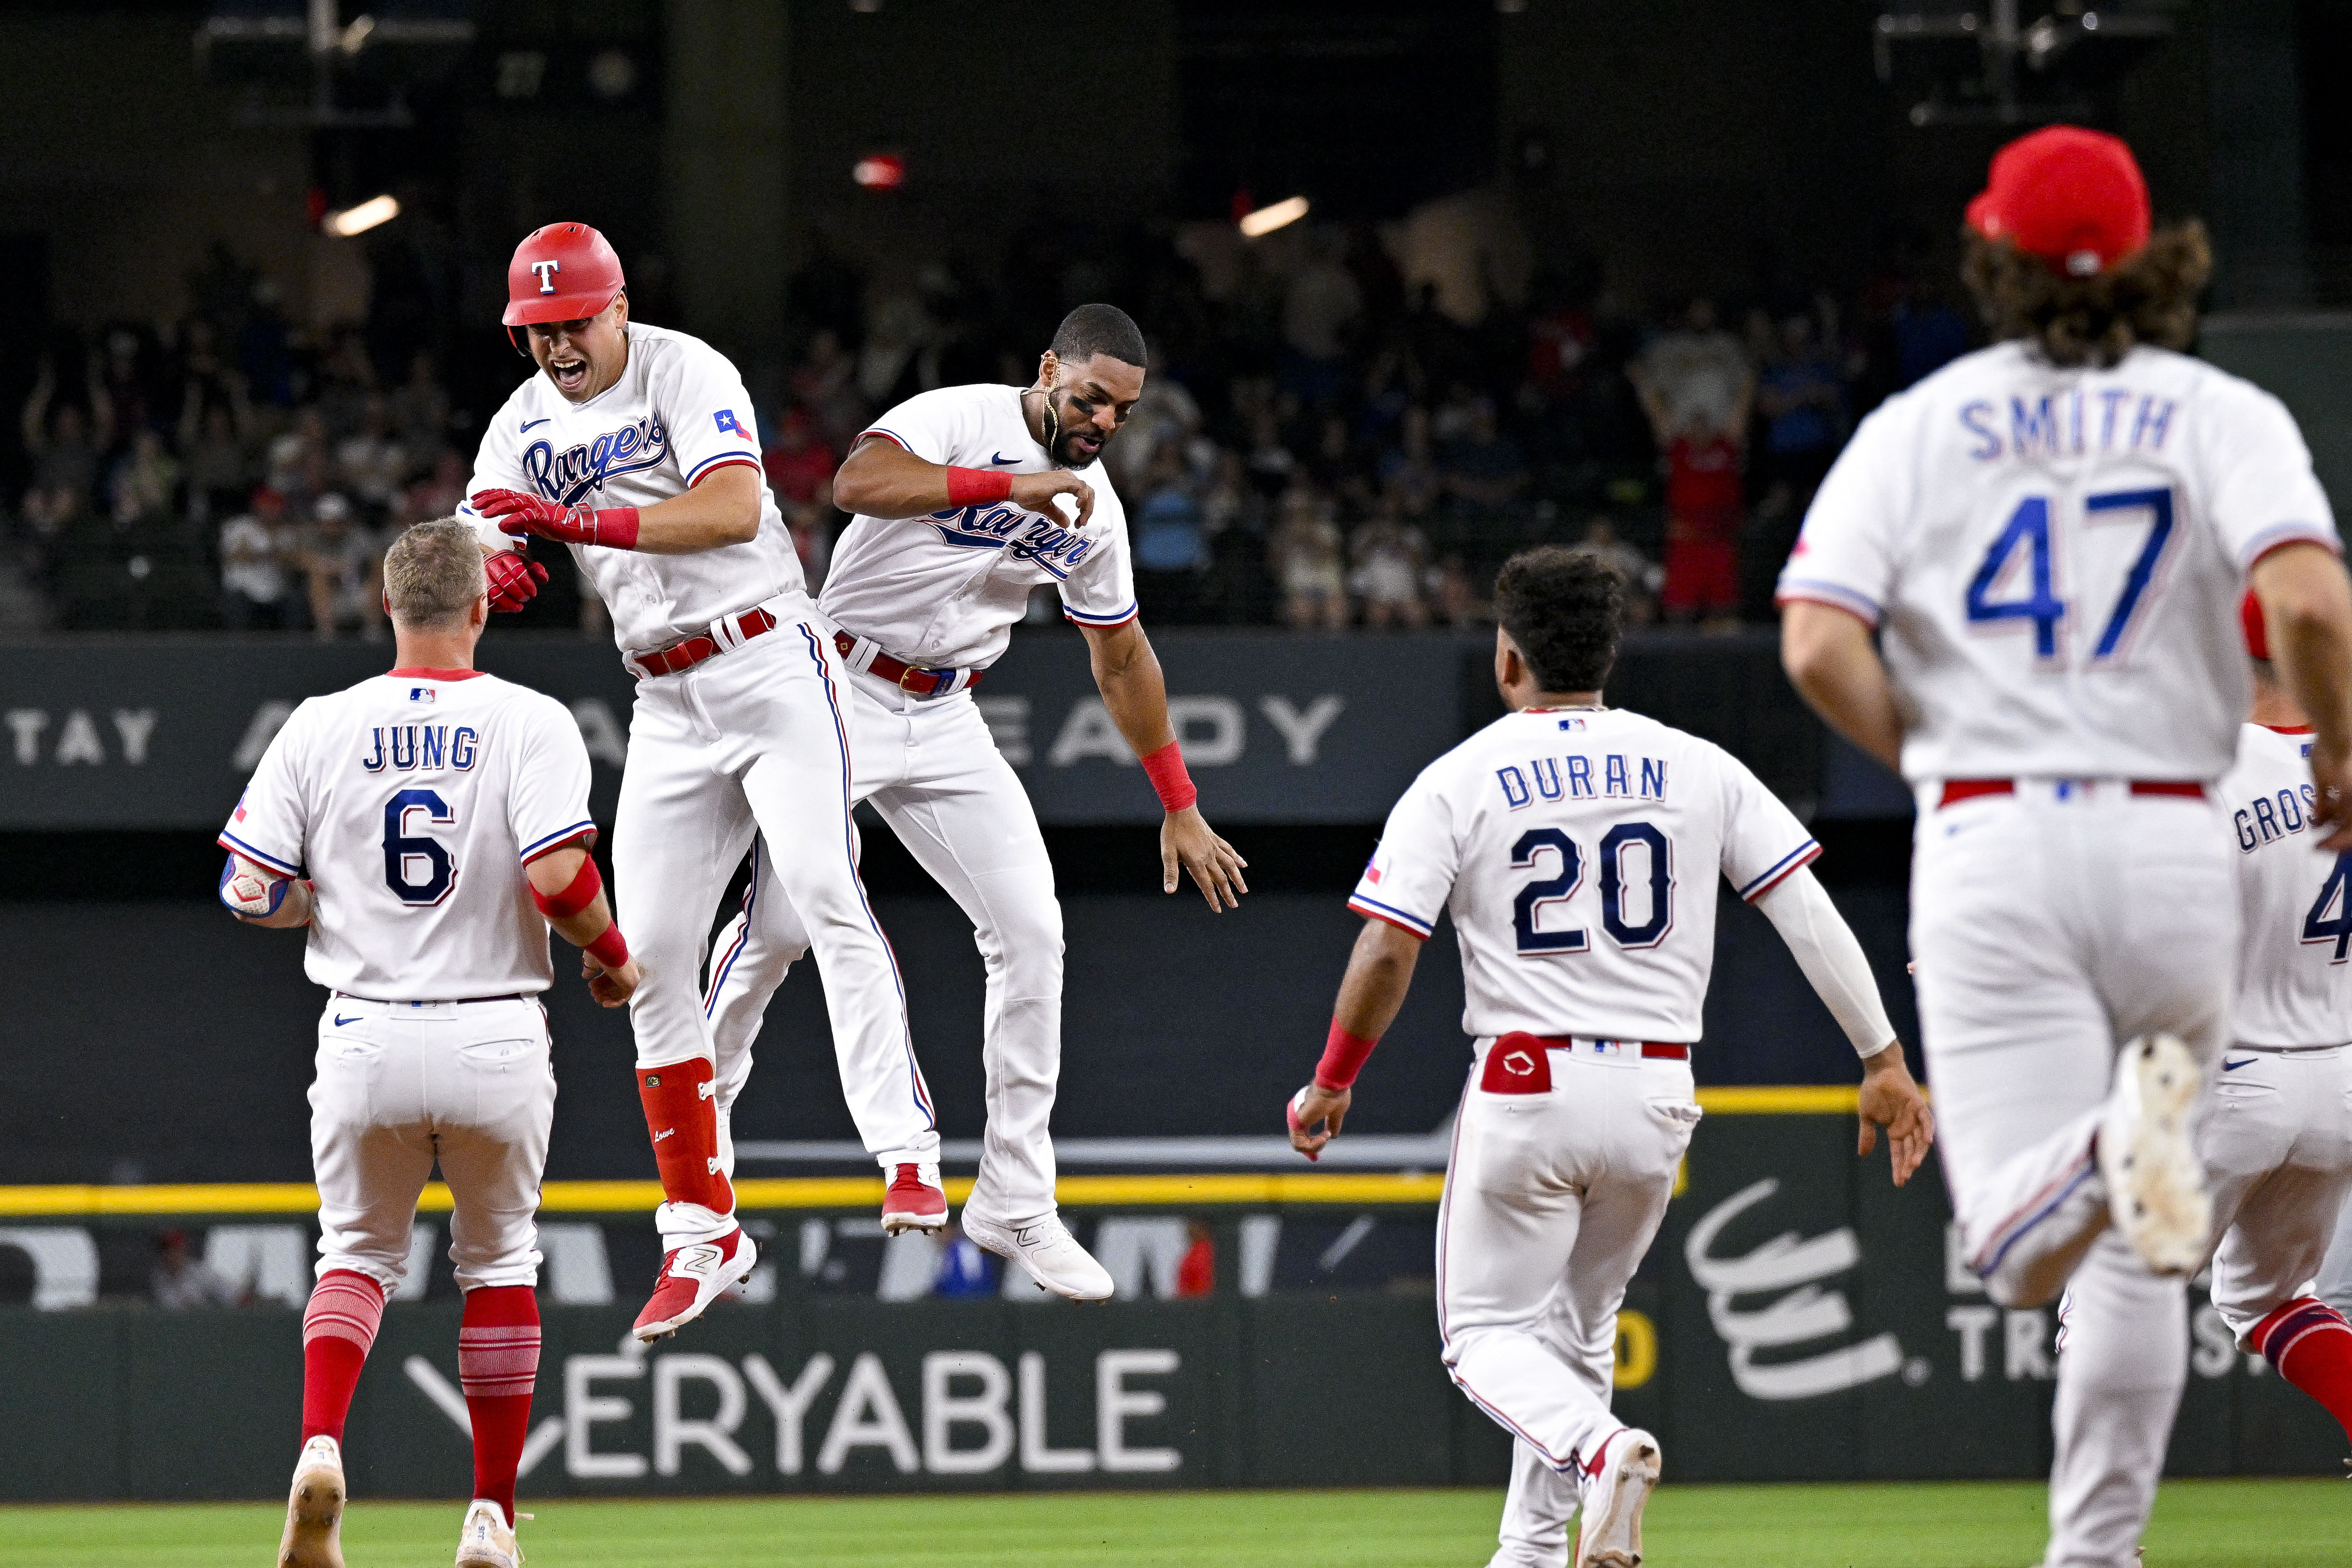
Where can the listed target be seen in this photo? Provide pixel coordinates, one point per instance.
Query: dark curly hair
(2148, 298)
(1564, 608)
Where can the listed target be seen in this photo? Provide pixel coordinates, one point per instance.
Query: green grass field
(2199, 1524)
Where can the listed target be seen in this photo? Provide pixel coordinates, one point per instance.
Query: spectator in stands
(298, 458)
(1484, 470)
(966, 1272)
(1706, 506)
(800, 465)
(1800, 396)
(1642, 576)
(1166, 535)
(826, 384)
(438, 493)
(181, 1280)
(218, 471)
(146, 479)
(1304, 551)
(258, 548)
(1693, 379)
(370, 463)
(345, 567)
(63, 442)
(1320, 304)
(1390, 557)
(420, 411)
(1453, 596)
(1166, 415)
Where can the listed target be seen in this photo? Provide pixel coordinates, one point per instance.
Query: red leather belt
(907, 677)
(1958, 790)
(683, 655)
(1651, 1051)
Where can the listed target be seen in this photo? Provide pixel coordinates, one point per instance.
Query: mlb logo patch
(423, 694)
(730, 425)
(1571, 723)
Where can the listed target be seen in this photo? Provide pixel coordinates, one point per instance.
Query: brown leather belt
(911, 679)
(1958, 790)
(685, 655)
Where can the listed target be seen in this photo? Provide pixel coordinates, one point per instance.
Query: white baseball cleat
(2155, 1185)
(1609, 1524)
(486, 1540)
(1046, 1248)
(314, 1509)
(691, 1278)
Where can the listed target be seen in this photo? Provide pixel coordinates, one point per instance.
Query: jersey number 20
(417, 869)
(2029, 530)
(1527, 907)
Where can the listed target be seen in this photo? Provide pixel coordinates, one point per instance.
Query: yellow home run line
(1204, 1190)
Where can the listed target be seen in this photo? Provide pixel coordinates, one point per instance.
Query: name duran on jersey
(2295, 982)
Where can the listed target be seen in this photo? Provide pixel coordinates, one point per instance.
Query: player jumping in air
(2018, 585)
(431, 808)
(634, 446)
(956, 496)
(1575, 847)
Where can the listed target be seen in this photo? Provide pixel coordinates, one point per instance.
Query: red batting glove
(614, 528)
(514, 579)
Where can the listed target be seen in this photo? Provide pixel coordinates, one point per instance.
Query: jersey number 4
(418, 870)
(2319, 926)
(1528, 908)
(2029, 531)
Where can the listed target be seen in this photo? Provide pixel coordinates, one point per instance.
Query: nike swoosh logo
(2233, 1066)
(529, 423)
(339, 1022)
(1001, 459)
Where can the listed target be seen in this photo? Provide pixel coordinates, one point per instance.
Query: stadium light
(360, 219)
(1266, 219)
(881, 171)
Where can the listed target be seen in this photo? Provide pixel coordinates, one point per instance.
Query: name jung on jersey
(1570, 778)
(1053, 545)
(568, 476)
(421, 748)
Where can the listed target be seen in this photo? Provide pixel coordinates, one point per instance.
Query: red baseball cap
(563, 272)
(2250, 618)
(2073, 197)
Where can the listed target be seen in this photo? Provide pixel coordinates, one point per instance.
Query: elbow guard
(249, 893)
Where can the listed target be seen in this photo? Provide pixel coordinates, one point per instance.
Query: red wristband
(1343, 1058)
(578, 896)
(616, 527)
(1166, 767)
(610, 949)
(975, 487)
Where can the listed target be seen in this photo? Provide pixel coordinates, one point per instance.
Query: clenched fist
(614, 528)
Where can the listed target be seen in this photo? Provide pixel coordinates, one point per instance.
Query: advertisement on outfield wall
(1277, 726)
(1798, 1320)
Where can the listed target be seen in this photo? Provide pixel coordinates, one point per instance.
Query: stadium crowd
(1320, 445)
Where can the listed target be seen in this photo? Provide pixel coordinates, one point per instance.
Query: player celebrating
(958, 519)
(2050, 537)
(432, 807)
(2277, 1137)
(1563, 839)
(636, 446)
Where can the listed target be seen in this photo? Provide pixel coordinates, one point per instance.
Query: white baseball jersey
(415, 799)
(677, 412)
(2294, 987)
(1575, 849)
(943, 591)
(2055, 557)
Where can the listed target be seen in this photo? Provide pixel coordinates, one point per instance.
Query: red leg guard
(682, 1116)
(2311, 1344)
(337, 1327)
(497, 1362)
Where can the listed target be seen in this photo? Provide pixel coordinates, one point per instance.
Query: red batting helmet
(563, 272)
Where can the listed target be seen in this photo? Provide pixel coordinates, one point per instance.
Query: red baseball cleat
(691, 1278)
(916, 1200)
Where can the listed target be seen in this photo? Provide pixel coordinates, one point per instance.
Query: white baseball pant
(1550, 1201)
(933, 772)
(756, 739)
(402, 1084)
(2050, 926)
(2276, 1138)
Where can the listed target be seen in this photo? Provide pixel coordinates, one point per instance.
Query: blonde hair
(433, 573)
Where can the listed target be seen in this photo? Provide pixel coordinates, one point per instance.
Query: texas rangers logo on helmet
(546, 271)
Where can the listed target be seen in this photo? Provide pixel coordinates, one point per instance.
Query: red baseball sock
(682, 1116)
(346, 1308)
(2311, 1344)
(497, 1362)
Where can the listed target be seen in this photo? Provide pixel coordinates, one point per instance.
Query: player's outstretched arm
(570, 891)
(1826, 949)
(2307, 610)
(1380, 973)
(881, 479)
(1835, 668)
(723, 508)
(261, 897)
(1127, 674)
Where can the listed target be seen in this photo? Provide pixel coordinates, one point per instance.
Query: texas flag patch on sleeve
(730, 424)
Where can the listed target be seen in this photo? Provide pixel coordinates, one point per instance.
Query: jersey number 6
(1528, 908)
(418, 870)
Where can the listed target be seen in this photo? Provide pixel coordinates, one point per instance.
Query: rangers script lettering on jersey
(411, 798)
(1576, 850)
(944, 590)
(2295, 984)
(2055, 556)
(677, 412)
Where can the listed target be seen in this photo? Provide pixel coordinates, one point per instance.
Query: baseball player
(958, 494)
(2277, 1133)
(635, 448)
(2048, 538)
(1574, 844)
(411, 823)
